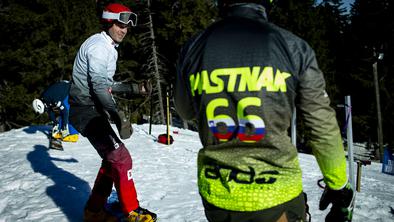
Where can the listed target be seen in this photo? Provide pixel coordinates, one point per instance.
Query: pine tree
(38, 44)
(174, 22)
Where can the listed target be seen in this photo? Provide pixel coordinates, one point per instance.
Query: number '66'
(247, 128)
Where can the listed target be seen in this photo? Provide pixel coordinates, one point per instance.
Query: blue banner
(388, 162)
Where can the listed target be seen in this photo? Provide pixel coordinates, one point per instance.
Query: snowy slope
(37, 184)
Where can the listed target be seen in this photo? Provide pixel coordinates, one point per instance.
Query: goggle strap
(110, 15)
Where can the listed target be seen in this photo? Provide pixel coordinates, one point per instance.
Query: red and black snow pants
(115, 167)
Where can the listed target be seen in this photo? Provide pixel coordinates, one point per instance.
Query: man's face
(118, 31)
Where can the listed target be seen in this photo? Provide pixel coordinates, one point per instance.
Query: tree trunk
(156, 67)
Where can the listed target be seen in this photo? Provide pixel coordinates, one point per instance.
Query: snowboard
(55, 144)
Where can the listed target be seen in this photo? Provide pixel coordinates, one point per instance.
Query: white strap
(110, 15)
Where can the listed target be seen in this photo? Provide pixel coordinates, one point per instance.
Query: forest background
(40, 38)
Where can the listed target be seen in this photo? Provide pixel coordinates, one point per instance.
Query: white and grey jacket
(92, 78)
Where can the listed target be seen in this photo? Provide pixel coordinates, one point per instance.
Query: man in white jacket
(92, 106)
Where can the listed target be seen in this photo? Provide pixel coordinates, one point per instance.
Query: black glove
(143, 88)
(124, 126)
(342, 203)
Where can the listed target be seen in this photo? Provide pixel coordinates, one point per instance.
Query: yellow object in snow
(71, 138)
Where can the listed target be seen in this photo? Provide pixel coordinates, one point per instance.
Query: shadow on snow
(69, 192)
(45, 129)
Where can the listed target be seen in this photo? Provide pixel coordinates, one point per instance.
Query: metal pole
(294, 128)
(150, 115)
(359, 165)
(378, 111)
(348, 108)
(168, 119)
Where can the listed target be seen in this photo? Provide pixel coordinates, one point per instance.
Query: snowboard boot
(57, 135)
(100, 216)
(141, 215)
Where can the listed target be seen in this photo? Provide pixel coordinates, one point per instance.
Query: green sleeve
(323, 133)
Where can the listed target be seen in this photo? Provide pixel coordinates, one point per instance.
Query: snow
(39, 184)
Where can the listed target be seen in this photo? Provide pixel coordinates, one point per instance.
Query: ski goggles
(122, 17)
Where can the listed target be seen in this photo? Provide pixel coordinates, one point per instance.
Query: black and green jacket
(242, 78)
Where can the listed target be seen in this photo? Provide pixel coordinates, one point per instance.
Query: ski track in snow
(37, 184)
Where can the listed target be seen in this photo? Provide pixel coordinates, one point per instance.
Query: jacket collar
(109, 39)
(247, 10)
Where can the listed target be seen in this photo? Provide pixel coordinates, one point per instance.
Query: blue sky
(346, 2)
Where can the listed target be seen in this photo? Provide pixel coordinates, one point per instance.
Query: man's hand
(124, 126)
(342, 203)
(146, 87)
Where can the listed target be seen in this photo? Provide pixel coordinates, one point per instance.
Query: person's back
(245, 83)
(56, 92)
(244, 77)
(54, 100)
